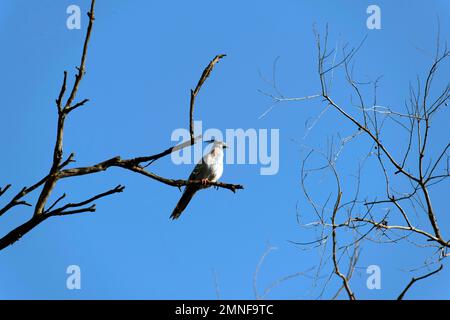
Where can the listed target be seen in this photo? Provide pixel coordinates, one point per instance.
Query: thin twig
(414, 280)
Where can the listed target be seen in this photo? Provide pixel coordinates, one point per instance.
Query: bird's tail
(182, 204)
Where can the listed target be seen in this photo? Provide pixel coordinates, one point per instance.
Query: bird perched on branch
(209, 169)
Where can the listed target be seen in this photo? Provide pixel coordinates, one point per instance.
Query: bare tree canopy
(346, 219)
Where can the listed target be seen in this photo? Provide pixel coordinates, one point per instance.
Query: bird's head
(217, 143)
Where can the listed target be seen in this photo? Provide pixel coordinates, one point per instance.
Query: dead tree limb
(59, 168)
(195, 92)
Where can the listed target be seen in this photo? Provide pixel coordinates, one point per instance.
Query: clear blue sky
(143, 58)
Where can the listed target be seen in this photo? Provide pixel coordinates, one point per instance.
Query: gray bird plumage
(210, 168)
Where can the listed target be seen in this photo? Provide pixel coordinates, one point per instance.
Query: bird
(208, 169)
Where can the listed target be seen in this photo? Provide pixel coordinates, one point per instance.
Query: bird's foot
(205, 182)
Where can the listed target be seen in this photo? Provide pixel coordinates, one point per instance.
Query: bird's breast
(215, 166)
(217, 171)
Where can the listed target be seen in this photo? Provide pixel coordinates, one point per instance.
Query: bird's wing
(200, 171)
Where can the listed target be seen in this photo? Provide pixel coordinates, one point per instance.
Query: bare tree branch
(258, 268)
(351, 268)
(63, 210)
(414, 280)
(345, 281)
(3, 190)
(195, 92)
(50, 183)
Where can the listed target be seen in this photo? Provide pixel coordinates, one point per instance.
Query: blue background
(143, 58)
